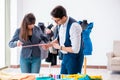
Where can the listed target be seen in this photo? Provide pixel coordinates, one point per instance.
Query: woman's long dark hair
(27, 20)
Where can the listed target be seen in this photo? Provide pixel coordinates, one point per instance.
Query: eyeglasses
(56, 19)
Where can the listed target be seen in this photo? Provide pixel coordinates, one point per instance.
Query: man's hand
(45, 46)
(48, 31)
(56, 45)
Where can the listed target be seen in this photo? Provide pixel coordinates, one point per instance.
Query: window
(2, 32)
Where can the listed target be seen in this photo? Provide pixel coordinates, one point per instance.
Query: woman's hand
(19, 43)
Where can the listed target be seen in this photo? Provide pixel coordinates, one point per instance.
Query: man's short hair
(58, 12)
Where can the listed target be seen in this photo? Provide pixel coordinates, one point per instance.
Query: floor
(107, 75)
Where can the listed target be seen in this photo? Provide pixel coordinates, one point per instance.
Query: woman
(29, 34)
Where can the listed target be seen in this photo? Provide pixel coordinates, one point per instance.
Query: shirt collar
(65, 24)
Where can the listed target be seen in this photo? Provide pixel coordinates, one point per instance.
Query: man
(68, 41)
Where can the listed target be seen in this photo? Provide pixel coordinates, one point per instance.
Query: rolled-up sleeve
(15, 38)
(75, 36)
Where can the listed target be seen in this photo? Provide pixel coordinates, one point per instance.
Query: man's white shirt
(75, 36)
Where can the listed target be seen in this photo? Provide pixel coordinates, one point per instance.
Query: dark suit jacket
(37, 37)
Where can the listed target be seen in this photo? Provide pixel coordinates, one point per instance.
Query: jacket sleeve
(15, 38)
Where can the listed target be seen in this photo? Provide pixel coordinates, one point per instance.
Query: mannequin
(84, 24)
(87, 44)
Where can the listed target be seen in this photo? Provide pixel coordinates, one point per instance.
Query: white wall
(104, 14)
